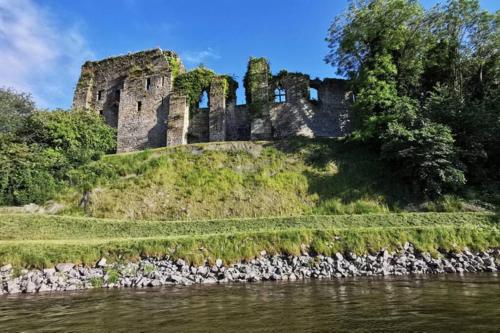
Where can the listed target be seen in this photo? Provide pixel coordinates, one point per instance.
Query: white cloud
(38, 54)
(198, 57)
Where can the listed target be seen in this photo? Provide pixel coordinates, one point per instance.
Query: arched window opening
(203, 100)
(279, 95)
(313, 94)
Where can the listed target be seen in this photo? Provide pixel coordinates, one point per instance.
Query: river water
(450, 303)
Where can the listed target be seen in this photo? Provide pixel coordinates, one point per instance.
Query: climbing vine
(174, 63)
(257, 95)
(193, 83)
(230, 88)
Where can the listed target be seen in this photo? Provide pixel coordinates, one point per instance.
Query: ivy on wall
(192, 84)
(256, 83)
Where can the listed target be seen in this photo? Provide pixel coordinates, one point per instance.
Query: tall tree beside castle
(426, 86)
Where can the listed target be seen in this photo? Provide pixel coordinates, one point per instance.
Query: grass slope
(41, 241)
(242, 179)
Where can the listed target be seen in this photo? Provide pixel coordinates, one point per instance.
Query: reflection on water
(432, 303)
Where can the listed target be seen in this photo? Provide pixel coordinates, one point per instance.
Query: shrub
(423, 154)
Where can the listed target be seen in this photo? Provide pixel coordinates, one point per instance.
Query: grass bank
(42, 240)
(245, 179)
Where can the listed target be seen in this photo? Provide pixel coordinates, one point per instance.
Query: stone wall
(198, 126)
(300, 115)
(131, 92)
(237, 122)
(135, 93)
(217, 114)
(334, 98)
(178, 120)
(259, 98)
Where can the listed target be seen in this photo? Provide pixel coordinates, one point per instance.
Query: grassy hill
(243, 179)
(239, 198)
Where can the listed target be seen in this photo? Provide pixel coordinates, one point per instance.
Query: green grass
(41, 241)
(240, 179)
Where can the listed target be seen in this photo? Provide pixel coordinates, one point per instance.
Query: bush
(82, 136)
(48, 150)
(26, 174)
(14, 107)
(423, 155)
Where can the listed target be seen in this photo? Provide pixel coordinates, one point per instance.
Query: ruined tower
(153, 102)
(132, 93)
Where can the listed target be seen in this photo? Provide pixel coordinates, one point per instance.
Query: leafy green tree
(380, 46)
(425, 85)
(461, 81)
(14, 107)
(25, 174)
(423, 154)
(81, 136)
(48, 151)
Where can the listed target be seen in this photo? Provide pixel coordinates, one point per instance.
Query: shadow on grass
(352, 172)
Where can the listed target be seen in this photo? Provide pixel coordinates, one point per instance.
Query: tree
(48, 151)
(14, 107)
(461, 81)
(81, 136)
(25, 174)
(426, 87)
(380, 46)
(423, 154)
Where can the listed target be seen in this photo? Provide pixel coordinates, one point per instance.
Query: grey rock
(44, 288)
(218, 263)
(6, 268)
(101, 262)
(13, 286)
(30, 287)
(65, 268)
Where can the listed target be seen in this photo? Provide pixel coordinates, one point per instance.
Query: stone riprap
(154, 272)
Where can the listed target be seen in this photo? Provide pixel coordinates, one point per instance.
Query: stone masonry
(135, 94)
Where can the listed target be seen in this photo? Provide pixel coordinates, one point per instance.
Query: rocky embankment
(153, 272)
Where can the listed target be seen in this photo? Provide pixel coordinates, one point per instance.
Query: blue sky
(43, 43)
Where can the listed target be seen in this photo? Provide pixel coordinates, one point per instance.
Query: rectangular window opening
(99, 94)
(279, 95)
(139, 106)
(148, 83)
(162, 81)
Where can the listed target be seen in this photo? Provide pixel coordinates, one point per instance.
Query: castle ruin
(153, 101)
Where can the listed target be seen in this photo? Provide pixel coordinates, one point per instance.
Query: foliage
(174, 62)
(14, 107)
(423, 155)
(423, 77)
(112, 276)
(81, 136)
(26, 173)
(96, 282)
(193, 84)
(258, 71)
(46, 151)
(42, 241)
(231, 86)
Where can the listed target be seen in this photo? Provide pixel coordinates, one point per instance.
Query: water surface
(419, 303)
